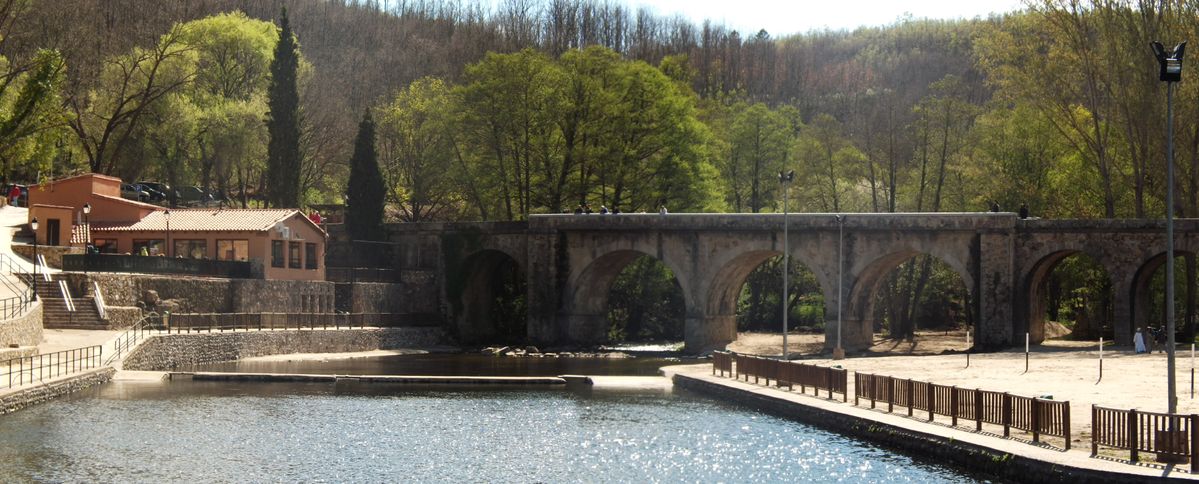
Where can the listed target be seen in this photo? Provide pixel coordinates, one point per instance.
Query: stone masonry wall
(213, 295)
(52, 253)
(24, 330)
(14, 401)
(416, 296)
(170, 352)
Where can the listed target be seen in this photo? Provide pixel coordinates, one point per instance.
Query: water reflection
(220, 432)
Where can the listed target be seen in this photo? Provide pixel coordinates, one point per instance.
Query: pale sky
(780, 17)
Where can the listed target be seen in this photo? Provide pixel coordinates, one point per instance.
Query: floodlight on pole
(785, 179)
(1170, 72)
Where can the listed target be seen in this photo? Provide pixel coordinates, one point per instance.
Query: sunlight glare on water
(220, 432)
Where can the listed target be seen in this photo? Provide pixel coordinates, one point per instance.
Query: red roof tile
(205, 220)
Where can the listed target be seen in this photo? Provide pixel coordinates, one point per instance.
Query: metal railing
(789, 374)
(217, 322)
(38, 368)
(159, 265)
(66, 295)
(1173, 437)
(1034, 415)
(98, 297)
(124, 343)
(17, 305)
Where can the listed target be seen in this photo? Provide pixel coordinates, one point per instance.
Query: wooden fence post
(1194, 425)
(1096, 428)
(953, 404)
(857, 388)
(1006, 414)
(978, 409)
(1066, 423)
(931, 395)
(1132, 435)
(911, 396)
(1036, 420)
(890, 394)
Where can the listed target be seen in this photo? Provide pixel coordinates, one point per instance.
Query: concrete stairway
(54, 309)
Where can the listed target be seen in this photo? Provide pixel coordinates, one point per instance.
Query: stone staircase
(54, 309)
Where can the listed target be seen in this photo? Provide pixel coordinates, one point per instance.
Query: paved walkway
(1077, 457)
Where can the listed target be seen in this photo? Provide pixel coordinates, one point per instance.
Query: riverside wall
(23, 330)
(16, 400)
(171, 352)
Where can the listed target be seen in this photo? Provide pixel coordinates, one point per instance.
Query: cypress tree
(365, 192)
(283, 151)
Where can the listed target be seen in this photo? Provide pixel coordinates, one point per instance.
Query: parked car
(155, 195)
(132, 191)
(167, 192)
(194, 196)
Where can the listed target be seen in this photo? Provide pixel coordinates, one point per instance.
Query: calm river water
(286, 432)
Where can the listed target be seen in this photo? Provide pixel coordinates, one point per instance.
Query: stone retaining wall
(24, 330)
(213, 295)
(52, 253)
(11, 402)
(171, 352)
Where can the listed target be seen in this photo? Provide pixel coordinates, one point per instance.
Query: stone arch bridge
(570, 262)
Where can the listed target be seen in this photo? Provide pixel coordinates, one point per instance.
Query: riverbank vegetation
(528, 107)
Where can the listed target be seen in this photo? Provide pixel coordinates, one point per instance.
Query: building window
(191, 248)
(233, 249)
(276, 253)
(310, 261)
(105, 246)
(293, 255)
(148, 247)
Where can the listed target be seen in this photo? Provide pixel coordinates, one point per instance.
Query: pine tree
(283, 152)
(365, 192)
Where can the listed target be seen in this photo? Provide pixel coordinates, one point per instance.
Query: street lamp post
(1170, 64)
(33, 284)
(167, 215)
(785, 179)
(87, 243)
(839, 352)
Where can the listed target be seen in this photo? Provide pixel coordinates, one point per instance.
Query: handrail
(17, 305)
(1173, 437)
(41, 262)
(29, 369)
(99, 299)
(220, 322)
(128, 339)
(66, 295)
(1037, 416)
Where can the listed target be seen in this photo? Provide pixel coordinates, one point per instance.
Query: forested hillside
(542, 106)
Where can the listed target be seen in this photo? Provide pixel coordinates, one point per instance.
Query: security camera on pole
(1170, 64)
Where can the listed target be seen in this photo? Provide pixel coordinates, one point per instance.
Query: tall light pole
(167, 215)
(87, 243)
(1170, 64)
(839, 352)
(33, 225)
(785, 179)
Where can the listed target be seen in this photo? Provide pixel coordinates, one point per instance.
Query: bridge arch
(1030, 308)
(860, 308)
(482, 283)
(1142, 296)
(587, 297)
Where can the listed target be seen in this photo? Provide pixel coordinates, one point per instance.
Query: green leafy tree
(32, 119)
(365, 193)
(283, 150)
(417, 150)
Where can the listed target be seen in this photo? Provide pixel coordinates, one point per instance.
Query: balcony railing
(161, 265)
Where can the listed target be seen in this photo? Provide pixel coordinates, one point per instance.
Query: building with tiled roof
(284, 242)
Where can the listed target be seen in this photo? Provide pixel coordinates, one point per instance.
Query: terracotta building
(284, 242)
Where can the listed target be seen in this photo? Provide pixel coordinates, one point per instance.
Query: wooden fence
(1034, 415)
(785, 373)
(1173, 437)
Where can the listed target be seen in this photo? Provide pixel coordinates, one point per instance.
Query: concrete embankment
(1006, 459)
(174, 351)
(407, 379)
(11, 401)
